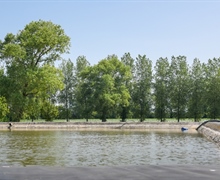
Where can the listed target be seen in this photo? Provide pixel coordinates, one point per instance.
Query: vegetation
(30, 78)
(32, 87)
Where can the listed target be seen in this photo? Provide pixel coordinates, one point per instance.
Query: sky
(98, 28)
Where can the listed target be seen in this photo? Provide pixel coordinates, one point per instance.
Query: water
(105, 148)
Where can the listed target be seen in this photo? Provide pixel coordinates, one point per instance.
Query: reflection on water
(105, 148)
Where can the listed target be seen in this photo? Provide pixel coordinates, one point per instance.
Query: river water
(105, 148)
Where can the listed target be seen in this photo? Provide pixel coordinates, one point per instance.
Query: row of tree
(133, 88)
(32, 87)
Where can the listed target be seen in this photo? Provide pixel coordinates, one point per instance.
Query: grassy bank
(117, 120)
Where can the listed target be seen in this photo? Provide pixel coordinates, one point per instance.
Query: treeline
(31, 87)
(134, 88)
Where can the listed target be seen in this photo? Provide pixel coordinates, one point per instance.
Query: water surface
(105, 148)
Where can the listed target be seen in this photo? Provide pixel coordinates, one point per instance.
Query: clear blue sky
(98, 28)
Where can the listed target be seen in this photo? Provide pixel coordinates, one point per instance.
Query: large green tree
(128, 61)
(29, 57)
(212, 85)
(197, 91)
(179, 86)
(142, 96)
(107, 82)
(82, 107)
(66, 96)
(161, 92)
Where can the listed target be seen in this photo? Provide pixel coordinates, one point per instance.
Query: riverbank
(211, 130)
(105, 125)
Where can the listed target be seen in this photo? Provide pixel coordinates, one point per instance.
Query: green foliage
(66, 96)
(128, 61)
(83, 106)
(3, 108)
(49, 111)
(161, 93)
(179, 86)
(142, 87)
(197, 91)
(81, 64)
(212, 93)
(30, 84)
(104, 85)
(30, 76)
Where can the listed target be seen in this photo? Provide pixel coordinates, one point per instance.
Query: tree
(106, 80)
(197, 91)
(66, 96)
(82, 90)
(29, 56)
(161, 93)
(179, 86)
(142, 87)
(81, 64)
(212, 85)
(128, 61)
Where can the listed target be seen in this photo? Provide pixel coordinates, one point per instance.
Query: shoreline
(211, 131)
(100, 125)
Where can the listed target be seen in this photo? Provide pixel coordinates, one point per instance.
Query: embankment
(105, 125)
(211, 130)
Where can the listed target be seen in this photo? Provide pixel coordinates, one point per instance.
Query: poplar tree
(212, 84)
(161, 91)
(197, 91)
(128, 61)
(66, 96)
(142, 96)
(179, 86)
(82, 104)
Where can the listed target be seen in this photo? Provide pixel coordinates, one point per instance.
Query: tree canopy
(30, 76)
(32, 86)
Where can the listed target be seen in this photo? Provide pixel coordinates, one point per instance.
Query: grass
(117, 120)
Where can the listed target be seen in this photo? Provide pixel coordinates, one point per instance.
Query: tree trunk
(124, 114)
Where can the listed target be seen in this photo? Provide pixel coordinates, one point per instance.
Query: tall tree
(82, 91)
(29, 56)
(66, 96)
(142, 87)
(107, 80)
(179, 86)
(161, 93)
(128, 61)
(197, 91)
(212, 84)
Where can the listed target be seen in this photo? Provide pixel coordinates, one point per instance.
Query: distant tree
(66, 96)
(161, 92)
(142, 96)
(82, 90)
(197, 91)
(128, 61)
(106, 88)
(179, 86)
(212, 84)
